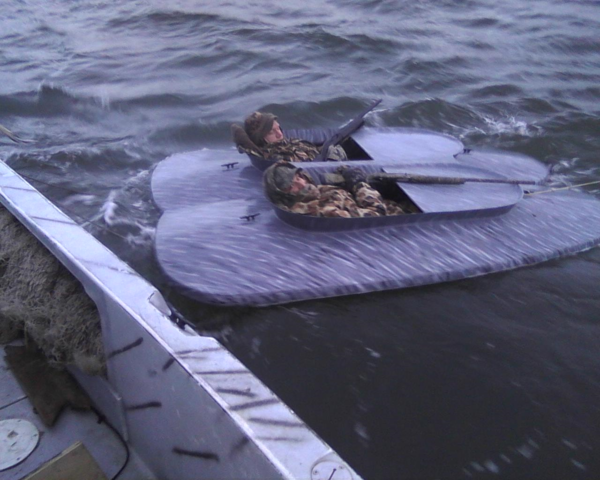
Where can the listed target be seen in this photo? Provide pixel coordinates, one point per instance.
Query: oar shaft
(337, 179)
(416, 178)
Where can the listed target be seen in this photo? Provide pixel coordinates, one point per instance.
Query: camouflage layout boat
(221, 241)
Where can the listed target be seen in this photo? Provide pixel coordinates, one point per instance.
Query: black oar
(337, 179)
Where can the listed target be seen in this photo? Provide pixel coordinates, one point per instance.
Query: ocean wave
(329, 40)
(479, 44)
(431, 113)
(192, 135)
(312, 114)
(47, 101)
(156, 101)
(494, 128)
(53, 101)
(479, 22)
(498, 90)
(87, 164)
(172, 22)
(570, 45)
(537, 106)
(441, 68)
(584, 125)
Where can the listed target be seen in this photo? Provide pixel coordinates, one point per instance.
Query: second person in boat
(262, 136)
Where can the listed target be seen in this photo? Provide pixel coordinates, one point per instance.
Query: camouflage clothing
(252, 139)
(290, 150)
(328, 200)
(331, 201)
(295, 150)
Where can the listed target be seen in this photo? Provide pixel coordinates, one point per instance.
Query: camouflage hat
(283, 176)
(257, 125)
(277, 180)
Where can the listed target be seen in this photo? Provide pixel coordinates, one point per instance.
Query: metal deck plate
(18, 438)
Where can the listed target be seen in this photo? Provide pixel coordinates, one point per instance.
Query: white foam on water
(373, 353)
(375, 119)
(144, 237)
(305, 314)
(526, 451)
(361, 431)
(569, 444)
(255, 345)
(511, 125)
(491, 466)
(533, 444)
(85, 199)
(579, 465)
(109, 208)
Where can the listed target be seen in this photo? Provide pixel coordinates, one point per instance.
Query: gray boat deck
(71, 426)
(223, 244)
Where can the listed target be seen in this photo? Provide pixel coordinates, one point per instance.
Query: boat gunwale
(334, 224)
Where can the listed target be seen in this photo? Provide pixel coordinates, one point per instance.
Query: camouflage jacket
(290, 150)
(331, 201)
(294, 150)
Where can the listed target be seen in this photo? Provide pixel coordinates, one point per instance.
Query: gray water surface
(494, 377)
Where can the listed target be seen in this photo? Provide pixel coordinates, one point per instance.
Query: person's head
(263, 128)
(286, 184)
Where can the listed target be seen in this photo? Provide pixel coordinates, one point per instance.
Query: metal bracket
(465, 151)
(250, 218)
(178, 319)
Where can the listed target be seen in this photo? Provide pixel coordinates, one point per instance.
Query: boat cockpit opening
(354, 151)
(393, 191)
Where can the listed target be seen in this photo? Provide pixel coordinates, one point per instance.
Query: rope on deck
(528, 194)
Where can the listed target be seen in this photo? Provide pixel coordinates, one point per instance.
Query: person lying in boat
(294, 190)
(262, 136)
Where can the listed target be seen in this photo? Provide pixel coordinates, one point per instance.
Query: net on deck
(42, 300)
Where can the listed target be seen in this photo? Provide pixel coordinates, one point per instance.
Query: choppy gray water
(492, 377)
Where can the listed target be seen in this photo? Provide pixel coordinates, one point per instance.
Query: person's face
(298, 184)
(275, 135)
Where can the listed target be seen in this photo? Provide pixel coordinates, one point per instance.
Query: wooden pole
(337, 179)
